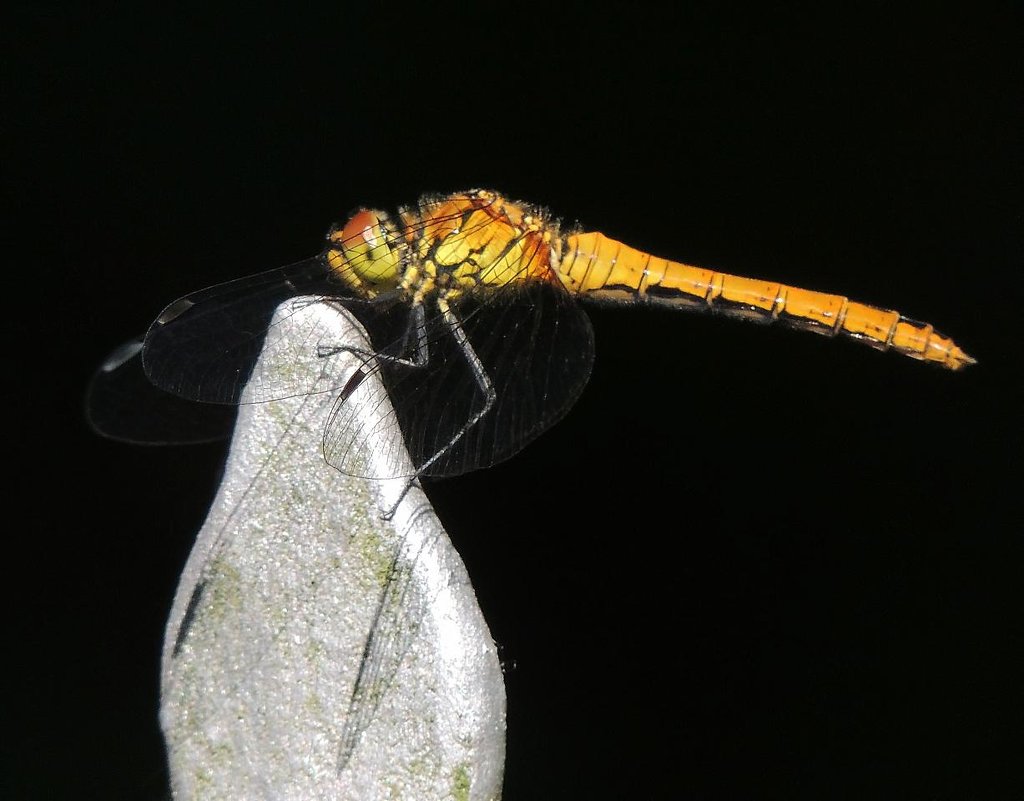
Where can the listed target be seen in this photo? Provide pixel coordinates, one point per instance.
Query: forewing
(204, 346)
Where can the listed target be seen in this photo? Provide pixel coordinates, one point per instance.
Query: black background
(750, 563)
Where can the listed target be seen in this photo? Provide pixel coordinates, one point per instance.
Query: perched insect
(472, 304)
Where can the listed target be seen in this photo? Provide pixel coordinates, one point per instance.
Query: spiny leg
(420, 352)
(415, 339)
(483, 381)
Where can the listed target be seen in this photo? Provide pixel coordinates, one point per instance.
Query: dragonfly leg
(482, 379)
(420, 351)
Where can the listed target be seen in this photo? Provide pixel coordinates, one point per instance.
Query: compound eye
(362, 230)
(369, 245)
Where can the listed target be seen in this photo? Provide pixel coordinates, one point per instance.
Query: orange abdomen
(594, 266)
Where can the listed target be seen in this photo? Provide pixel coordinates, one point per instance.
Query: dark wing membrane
(122, 404)
(203, 346)
(535, 344)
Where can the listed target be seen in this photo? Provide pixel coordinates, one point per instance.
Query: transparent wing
(121, 403)
(536, 347)
(204, 346)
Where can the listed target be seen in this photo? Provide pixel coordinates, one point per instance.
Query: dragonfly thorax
(480, 241)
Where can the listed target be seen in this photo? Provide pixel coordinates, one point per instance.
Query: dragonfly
(473, 305)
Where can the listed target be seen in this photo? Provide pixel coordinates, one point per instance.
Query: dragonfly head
(367, 252)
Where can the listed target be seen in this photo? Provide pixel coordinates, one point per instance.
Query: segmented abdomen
(597, 267)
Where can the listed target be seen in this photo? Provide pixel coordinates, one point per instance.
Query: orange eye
(365, 224)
